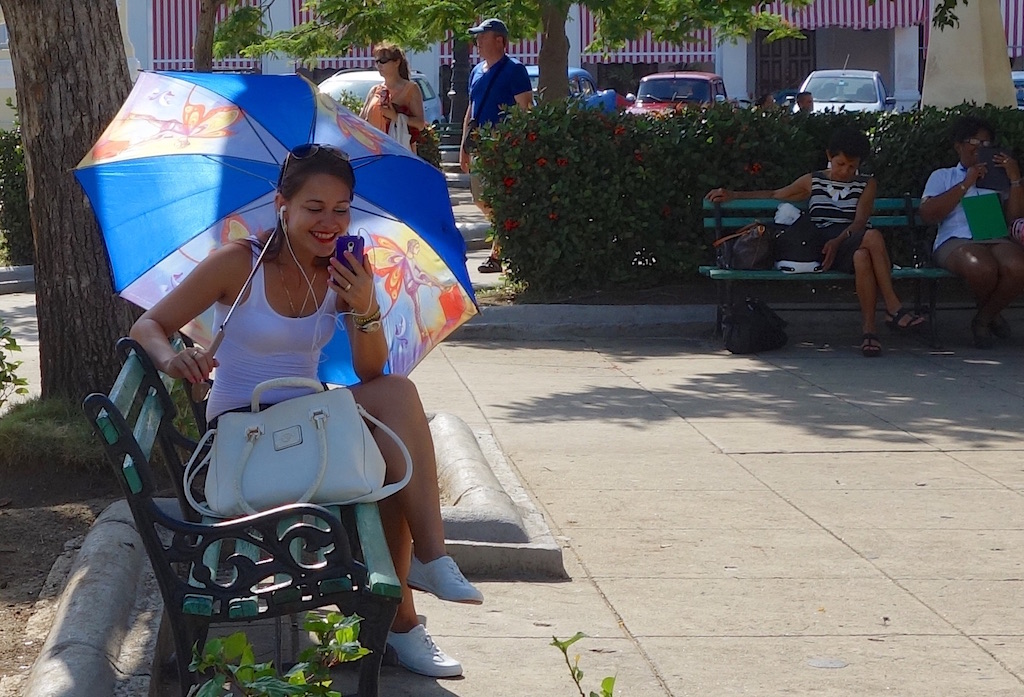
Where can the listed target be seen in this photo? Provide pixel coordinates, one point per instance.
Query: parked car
(849, 90)
(358, 82)
(583, 86)
(1018, 83)
(667, 91)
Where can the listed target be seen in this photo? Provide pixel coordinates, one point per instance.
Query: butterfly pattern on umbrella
(417, 253)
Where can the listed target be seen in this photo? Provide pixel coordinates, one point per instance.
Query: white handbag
(311, 449)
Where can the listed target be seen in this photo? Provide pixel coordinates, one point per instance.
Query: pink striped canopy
(174, 29)
(174, 35)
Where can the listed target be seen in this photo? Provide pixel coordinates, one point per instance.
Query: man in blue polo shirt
(497, 83)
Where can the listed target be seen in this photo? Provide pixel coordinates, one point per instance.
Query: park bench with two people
(845, 220)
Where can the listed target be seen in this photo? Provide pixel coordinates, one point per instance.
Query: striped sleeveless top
(832, 201)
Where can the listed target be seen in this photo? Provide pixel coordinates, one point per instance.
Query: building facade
(890, 36)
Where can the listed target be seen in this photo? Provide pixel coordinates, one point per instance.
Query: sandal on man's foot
(1000, 327)
(903, 320)
(870, 346)
(492, 265)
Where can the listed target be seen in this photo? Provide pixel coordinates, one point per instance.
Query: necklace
(837, 193)
(288, 293)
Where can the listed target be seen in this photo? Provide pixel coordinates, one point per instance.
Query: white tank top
(260, 344)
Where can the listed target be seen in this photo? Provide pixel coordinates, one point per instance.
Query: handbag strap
(193, 468)
(739, 233)
(280, 383)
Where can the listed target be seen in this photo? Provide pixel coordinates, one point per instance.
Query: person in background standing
(804, 103)
(497, 82)
(396, 95)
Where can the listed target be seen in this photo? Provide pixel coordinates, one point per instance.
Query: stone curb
(576, 321)
(17, 279)
(92, 619)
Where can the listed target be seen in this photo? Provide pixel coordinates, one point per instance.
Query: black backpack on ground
(750, 326)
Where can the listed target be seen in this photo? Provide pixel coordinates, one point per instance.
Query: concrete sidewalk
(801, 522)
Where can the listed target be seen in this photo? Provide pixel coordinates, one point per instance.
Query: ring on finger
(348, 287)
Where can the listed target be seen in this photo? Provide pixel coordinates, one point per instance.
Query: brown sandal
(870, 346)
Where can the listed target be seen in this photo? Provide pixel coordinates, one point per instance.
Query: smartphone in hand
(349, 243)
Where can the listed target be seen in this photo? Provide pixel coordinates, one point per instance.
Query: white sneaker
(443, 578)
(416, 651)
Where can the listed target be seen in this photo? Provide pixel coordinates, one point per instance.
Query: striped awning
(646, 49)
(174, 36)
(524, 50)
(854, 14)
(1013, 20)
(356, 57)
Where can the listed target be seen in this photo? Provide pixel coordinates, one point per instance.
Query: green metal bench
(270, 565)
(898, 216)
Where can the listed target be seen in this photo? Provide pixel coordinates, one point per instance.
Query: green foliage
(10, 382)
(428, 146)
(585, 201)
(235, 670)
(607, 685)
(15, 225)
(48, 435)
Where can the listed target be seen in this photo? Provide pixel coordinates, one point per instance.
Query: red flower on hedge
(619, 130)
(509, 182)
(531, 137)
(754, 168)
(541, 161)
(552, 216)
(638, 157)
(510, 224)
(562, 161)
(666, 211)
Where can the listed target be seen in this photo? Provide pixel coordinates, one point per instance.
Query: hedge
(586, 201)
(15, 226)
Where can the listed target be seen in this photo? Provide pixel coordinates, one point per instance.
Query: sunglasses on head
(977, 142)
(307, 150)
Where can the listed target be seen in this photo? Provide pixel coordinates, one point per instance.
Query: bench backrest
(889, 214)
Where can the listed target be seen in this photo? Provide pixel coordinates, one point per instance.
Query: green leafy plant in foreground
(235, 670)
(10, 383)
(607, 685)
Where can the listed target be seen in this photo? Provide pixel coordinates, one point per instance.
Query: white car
(1018, 84)
(358, 83)
(849, 90)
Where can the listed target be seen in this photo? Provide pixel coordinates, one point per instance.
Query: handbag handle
(739, 233)
(280, 383)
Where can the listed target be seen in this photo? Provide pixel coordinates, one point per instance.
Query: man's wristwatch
(369, 323)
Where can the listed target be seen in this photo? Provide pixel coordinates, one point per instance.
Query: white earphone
(280, 216)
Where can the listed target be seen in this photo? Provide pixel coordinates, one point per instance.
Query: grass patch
(51, 435)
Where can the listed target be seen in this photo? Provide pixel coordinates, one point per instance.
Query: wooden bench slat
(126, 385)
(376, 555)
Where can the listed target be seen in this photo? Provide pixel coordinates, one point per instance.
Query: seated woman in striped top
(840, 204)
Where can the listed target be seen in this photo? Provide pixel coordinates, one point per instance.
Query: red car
(667, 91)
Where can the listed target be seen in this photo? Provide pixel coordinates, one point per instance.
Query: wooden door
(783, 64)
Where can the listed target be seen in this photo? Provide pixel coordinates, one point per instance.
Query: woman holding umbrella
(280, 327)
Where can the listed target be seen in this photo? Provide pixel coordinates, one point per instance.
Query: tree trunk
(553, 59)
(460, 81)
(71, 76)
(202, 49)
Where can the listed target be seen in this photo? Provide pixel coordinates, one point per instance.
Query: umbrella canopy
(191, 161)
